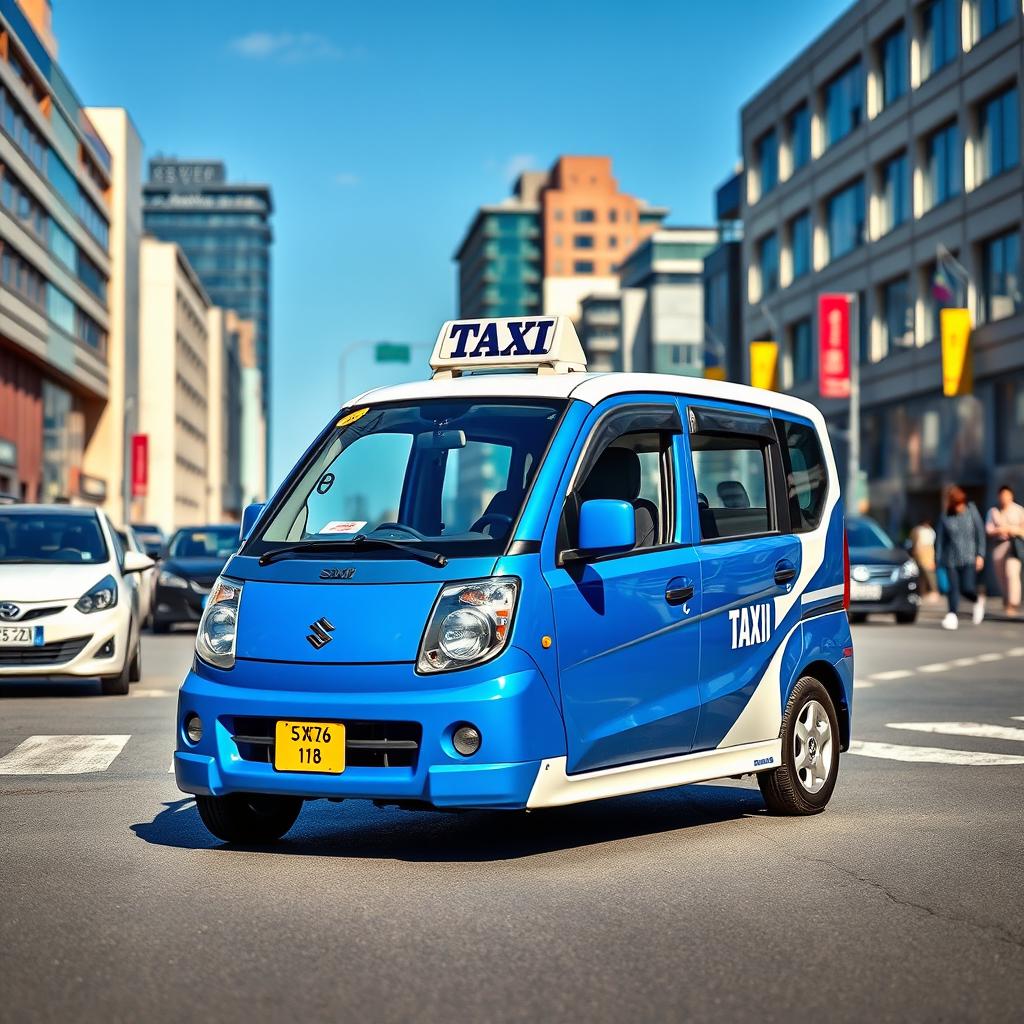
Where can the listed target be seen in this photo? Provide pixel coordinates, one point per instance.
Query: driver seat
(617, 474)
(504, 503)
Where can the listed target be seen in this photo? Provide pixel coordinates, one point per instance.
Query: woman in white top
(1005, 528)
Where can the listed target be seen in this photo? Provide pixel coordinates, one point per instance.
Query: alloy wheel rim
(812, 746)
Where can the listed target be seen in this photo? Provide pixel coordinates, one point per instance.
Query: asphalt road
(903, 901)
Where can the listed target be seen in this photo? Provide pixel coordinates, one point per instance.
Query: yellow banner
(764, 365)
(957, 362)
(714, 373)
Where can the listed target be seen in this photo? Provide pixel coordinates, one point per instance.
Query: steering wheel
(397, 526)
(497, 518)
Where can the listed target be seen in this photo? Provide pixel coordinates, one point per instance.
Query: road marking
(895, 673)
(1015, 652)
(993, 656)
(965, 662)
(862, 684)
(153, 693)
(976, 729)
(62, 755)
(933, 755)
(935, 666)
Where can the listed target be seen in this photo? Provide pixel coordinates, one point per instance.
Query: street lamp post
(853, 438)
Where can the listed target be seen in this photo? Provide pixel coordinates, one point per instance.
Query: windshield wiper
(434, 558)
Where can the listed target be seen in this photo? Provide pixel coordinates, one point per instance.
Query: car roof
(70, 510)
(591, 388)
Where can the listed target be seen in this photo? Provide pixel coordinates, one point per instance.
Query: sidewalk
(930, 610)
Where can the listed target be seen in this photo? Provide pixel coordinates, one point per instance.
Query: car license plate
(309, 747)
(21, 636)
(865, 591)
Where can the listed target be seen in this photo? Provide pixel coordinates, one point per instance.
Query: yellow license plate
(309, 747)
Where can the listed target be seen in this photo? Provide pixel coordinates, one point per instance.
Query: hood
(378, 615)
(202, 570)
(878, 556)
(21, 582)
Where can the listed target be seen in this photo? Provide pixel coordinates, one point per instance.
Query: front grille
(46, 654)
(38, 613)
(367, 744)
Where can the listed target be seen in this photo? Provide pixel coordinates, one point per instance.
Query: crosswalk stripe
(976, 729)
(62, 755)
(933, 755)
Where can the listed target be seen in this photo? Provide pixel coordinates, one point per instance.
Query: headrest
(733, 494)
(616, 474)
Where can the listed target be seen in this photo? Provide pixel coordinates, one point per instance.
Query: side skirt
(554, 788)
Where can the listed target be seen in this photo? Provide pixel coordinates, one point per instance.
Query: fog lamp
(466, 740)
(194, 728)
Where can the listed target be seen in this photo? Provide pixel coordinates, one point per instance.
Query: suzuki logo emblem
(321, 635)
(9, 611)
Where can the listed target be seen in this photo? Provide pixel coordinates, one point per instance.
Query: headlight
(215, 640)
(470, 623)
(170, 579)
(909, 570)
(100, 597)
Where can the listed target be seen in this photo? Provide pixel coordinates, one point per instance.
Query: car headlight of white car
(98, 598)
(170, 579)
(215, 639)
(470, 623)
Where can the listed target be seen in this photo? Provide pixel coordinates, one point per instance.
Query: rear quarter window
(806, 475)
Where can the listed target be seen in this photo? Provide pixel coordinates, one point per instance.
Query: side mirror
(136, 561)
(249, 517)
(607, 526)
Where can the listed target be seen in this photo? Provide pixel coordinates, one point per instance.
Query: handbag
(942, 578)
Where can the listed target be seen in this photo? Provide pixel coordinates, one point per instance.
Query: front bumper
(73, 644)
(172, 605)
(901, 596)
(507, 700)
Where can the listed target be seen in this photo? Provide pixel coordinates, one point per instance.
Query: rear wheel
(248, 817)
(803, 784)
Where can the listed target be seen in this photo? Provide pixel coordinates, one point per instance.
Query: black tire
(135, 670)
(161, 627)
(907, 618)
(784, 789)
(118, 686)
(858, 617)
(248, 818)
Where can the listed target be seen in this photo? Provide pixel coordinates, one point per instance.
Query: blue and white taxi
(522, 585)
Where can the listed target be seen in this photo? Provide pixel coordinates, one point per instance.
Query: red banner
(140, 465)
(834, 346)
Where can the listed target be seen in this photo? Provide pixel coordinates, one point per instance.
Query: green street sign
(390, 352)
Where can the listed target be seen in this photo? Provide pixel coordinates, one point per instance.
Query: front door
(626, 625)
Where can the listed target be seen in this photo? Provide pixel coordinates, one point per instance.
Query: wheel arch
(827, 675)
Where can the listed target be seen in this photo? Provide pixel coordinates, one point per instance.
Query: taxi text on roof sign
(548, 344)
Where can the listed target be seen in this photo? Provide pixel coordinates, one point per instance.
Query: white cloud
(286, 47)
(516, 164)
(346, 179)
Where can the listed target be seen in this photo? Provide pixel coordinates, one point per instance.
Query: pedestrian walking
(922, 550)
(1004, 525)
(960, 553)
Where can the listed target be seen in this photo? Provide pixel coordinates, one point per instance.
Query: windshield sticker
(325, 484)
(352, 417)
(343, 526)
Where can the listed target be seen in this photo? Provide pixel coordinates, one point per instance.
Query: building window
(892, 53)
(768, 261)
(988, 15)
(940, 35)
(16, 124)
(583, 267)
(583, 241)
(799, 125)
(802, 352)
(584, 216)
(612, 242)
(897, 316)
(941, 291)
(559, 214)
(844, 103)
(1001, 283)
(943, 178)
(800, 243)
(21, 205)
(998, 146)
(845, 216)
(613, 216)
(20, 277)
(767, 162)
(895, 194)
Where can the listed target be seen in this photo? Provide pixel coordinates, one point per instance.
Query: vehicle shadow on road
(358, 829)
(41, 686)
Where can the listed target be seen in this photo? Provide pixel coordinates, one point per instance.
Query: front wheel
(248, 817)
(907, 618)
(804, 782)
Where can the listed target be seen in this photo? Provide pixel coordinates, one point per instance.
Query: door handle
(785, 572)
(679, 595)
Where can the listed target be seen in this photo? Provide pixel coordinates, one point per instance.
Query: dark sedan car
(883, 579)
(151, 537)
(195, 557)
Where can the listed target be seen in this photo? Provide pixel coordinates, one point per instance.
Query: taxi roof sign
(547, 344)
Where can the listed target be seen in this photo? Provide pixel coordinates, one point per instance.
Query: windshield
(205, 542)
(51, 537)
(866, 533)
(449, 474)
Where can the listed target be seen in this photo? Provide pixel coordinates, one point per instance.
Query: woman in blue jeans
(960, 551)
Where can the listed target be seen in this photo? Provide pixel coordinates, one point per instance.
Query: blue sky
(381, 127)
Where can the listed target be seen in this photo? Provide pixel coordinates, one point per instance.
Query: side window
(478, 483)
(731, 472)
(119, 546)
(806, 476)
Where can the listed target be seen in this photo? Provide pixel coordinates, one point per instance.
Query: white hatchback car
(69, 599)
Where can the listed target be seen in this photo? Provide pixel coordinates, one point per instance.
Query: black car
(151, 537)
(883, 578)
(195, 557)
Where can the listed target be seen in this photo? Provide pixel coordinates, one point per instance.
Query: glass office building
(224, 229)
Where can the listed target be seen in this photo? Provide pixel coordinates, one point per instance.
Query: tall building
(653, 320)
(56, 189)
(882, 162)
(723, 288)
(224, 230)
(174, 404)
(253, 444)
(559, 237)
(224, 423)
